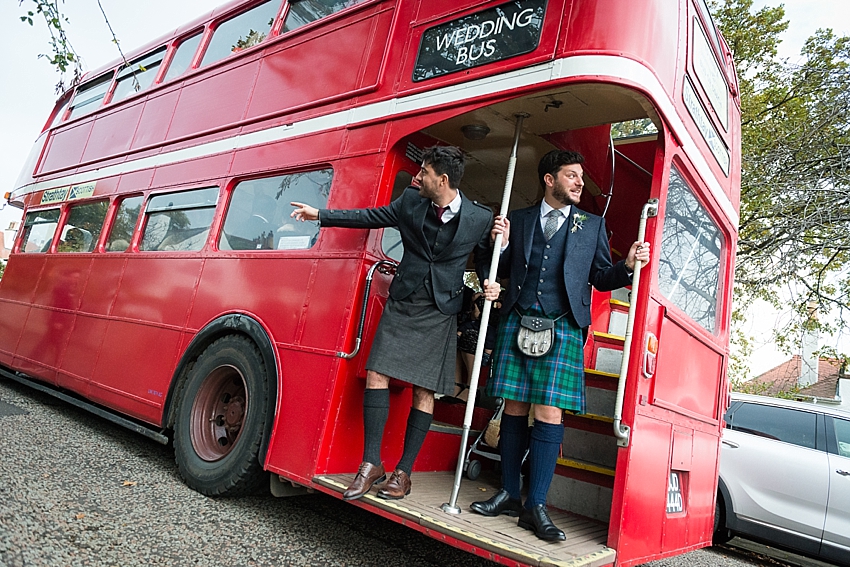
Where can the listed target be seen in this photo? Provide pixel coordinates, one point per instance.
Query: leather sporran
(536, 335)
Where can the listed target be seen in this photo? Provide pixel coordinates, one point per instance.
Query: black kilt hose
(416, 343)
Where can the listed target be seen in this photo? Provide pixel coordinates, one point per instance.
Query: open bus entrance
(618, 182)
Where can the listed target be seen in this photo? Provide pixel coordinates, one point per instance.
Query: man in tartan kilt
(552, 252)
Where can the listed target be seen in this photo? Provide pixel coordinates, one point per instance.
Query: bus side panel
(215, 101)
(150, 308)
(66, 146)
(641, 522)
(306, 381)
(156, 116)
(55, 301)
(649, 31)
(272, 286)
(16, 290)
(113, 132)
(84, 343)
(136, 389)
(325, 65)
(688, 372)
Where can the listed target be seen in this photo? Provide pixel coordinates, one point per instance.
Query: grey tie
(551, 226)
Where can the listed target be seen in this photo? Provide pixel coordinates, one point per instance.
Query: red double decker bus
(158, 280)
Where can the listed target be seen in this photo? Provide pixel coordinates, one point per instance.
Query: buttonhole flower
(578, 219)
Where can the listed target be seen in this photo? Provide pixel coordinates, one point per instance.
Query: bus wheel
(222, 413)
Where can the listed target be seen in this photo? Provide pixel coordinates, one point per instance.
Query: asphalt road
(76, 490)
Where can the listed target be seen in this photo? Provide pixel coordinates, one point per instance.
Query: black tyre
(473, 469)
(221, 417)
(721, 532)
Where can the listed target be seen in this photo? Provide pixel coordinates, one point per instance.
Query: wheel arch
(229, 324)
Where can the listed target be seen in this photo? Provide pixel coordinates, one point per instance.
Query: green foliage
(2, 268)
(62, 55)
(795, 188)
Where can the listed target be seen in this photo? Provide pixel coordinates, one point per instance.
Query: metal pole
(622, 432)
(451, 506)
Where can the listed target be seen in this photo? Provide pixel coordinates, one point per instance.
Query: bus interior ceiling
(552, 118)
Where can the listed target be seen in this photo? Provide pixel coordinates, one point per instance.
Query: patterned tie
(551, 226)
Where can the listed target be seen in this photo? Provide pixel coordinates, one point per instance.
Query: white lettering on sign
(675, 504)
(485, 29)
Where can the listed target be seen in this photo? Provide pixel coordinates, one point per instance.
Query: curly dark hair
(446, 160)
(554, 161)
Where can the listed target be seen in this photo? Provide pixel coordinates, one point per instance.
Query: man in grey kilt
(416, 340)
(552, 252)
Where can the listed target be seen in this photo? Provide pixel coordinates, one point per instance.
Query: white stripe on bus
(618, 68)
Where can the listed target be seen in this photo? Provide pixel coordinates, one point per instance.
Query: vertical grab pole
(451, 506)
(622, 432)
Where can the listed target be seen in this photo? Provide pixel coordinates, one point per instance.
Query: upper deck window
(241, 32)
(89, 96)
(302, 12)
(39, 228)
(139, 75)
(179, 221)
(258, 215)
(183, 56)
(689, 261)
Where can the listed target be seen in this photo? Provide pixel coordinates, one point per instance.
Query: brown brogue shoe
(366, 478)
(397, 487)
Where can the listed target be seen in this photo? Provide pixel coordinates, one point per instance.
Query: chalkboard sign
(491, 35)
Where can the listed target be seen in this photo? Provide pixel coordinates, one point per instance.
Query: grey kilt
(416, 343)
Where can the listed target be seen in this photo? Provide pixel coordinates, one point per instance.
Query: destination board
(484, 37)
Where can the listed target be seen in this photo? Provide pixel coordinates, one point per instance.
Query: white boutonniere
(578, 219)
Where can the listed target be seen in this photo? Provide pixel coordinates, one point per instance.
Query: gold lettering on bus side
(54, 195)
(82, 191)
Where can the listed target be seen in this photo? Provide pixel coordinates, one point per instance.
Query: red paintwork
(114, 326)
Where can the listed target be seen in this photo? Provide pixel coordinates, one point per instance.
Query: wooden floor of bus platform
(584, 547)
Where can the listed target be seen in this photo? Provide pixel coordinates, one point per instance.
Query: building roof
(784, 377)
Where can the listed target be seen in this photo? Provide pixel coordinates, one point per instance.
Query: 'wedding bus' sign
(491, 35)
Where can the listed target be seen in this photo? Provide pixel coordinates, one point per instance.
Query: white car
(785, 476)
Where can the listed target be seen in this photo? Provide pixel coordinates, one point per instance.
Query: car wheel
(220, 419)
(722, 534)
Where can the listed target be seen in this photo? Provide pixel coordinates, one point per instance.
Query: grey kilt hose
(555, 379)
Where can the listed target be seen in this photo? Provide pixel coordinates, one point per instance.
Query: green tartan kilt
(555, 379)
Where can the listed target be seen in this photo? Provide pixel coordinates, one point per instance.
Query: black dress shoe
(501, 503)
(538, 521)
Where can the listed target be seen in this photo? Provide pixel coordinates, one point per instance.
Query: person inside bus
(417, 334)
(552, 252)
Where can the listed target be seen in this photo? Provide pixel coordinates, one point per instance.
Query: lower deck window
(179, 222)
(83, 227)
(39, 228)
(258, 215)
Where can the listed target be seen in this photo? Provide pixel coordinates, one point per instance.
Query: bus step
(583, 488)
(590, 439)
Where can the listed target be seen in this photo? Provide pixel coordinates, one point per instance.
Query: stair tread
(609, 336)
(596, 372)
(619, 303)
(582, 465)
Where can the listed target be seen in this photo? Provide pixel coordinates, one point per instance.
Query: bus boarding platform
(585, 545)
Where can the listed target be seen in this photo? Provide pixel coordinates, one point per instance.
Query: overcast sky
(27, 83)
